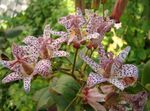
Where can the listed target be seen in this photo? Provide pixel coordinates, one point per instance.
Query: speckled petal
(17, 51)
(64, 21)
(101, 51)
(91, 63)
(117, 83)
(80, 15)
(6, 64)
(94, 79)
(91, 36)
(137, 101)
(128, 70)
(59, 33)
(122, 56)
(43, 68)
(30, 40)
(32, 53)
(27, 83)
(12, 77)
(55, 44)
(46, 33)
(60, 54)
(12, 65)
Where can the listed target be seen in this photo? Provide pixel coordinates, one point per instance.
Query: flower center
(27, 68)
(45, 52)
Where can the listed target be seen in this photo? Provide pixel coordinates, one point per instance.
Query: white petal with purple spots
(12, 77)
(94, 79)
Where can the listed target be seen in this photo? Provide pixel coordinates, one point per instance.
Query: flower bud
(118, 9)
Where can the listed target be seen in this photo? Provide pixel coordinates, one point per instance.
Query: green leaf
(146, 73)
(43, 98)
(38, 94)
(147, 106)
(148, 86)
(67, 86)
(67, 89)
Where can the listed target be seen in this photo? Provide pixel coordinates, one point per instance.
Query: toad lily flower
(73, 21)
(92, 97)
(73, 24)
(21, 54)
(98, 24)
(75, 31)
(22, 67)
(112, 70)
(47, 48)
(137, 101)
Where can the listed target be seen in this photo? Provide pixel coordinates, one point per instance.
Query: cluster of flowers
(110, 77)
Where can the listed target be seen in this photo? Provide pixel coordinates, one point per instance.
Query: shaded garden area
(85, 55)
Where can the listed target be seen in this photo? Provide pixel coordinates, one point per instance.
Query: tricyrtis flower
(73, 25)
(47, 48)
(24, 72)
(112, 70)
(98, 24)
(22, 67)
(76, 29)
(73, 21)
(21, 54)
(137, 101)
(92, 97)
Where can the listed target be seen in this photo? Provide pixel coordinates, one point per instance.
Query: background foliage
(135, 31)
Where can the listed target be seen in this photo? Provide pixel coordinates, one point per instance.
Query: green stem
(74, 63)
(68, 60)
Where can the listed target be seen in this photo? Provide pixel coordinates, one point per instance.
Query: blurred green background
(20, 18)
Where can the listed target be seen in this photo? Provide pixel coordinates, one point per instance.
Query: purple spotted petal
(43, 68)
(32, 53)
(27, 83)
(94, 79)
(12, 77)
(6, 64)
(17, 51)
(31, 40)
(117, 83)
(137, 101)
(81, 17)
(101, 51)
(91, 36)
(122, 56)
(62, 20)
(46, 33)
(59, 33)
(60, 54)
(91, 63)
(12, 65)
(94, 22)
(56, 43)
(128, 70)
